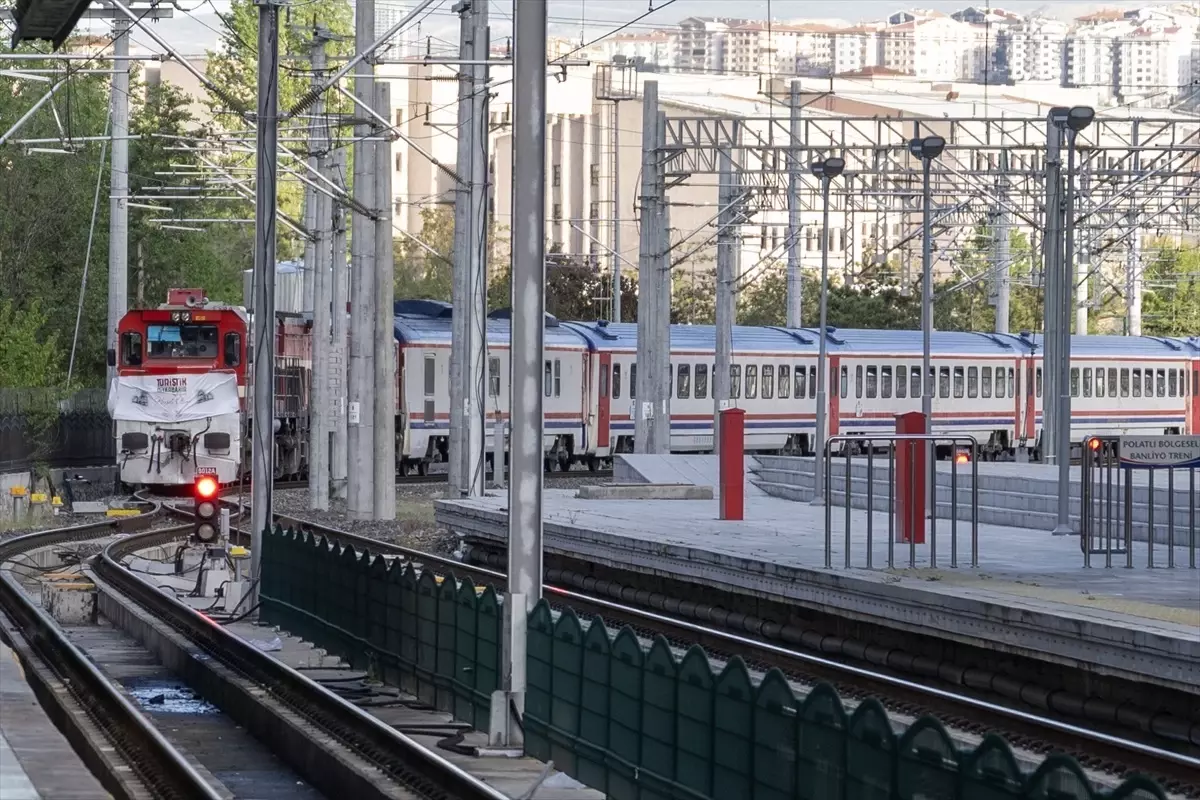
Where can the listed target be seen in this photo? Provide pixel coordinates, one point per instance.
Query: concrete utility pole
(528, 343)
(795, 277)
(339, 293)
(1133, 279)
(475, 444)
(320, 215)
(360, 416)
(1002, 251)
(616, 210)
(385, 337)
(262, 444)
(652, 423)
(461, 254)
(118, 220)
(728, 246)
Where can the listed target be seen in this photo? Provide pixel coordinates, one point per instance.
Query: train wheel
(593, 464)
(422, 468)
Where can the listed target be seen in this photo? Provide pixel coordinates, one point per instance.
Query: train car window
(430, 375)
(633, 381)
(872, 382)
(785, 381)
(181, 341)
(1039, 381)
(701, 381)
(616, 382)
(735, 381)
(1196, 383)
(683, 382)
(999, 384)
(972, 381)
(1074, 381)
(1012, 382)
(131, 348)
(548, 380)
(1137, 382)
(801, 382)
(959, 382)
(1173, 376)
(1148, 384)
(751, 381)
(885, 382)
(233, 349)
(1160, 383)
(985, 383)
(901, 382)
(1099, 382)
(858, 382)
(768, 382)
(812, 382)
(915, 382)
(944, 382)
(845, 381)
(931, 382)
(1112, 381)
(557, 378)
(1087, 381)
(1124, 382)
(494, 378)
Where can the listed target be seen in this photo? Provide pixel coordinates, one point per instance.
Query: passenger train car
(988, 386)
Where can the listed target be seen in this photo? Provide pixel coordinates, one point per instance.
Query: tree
(1171, 295)
(30, 353)
(421, 274)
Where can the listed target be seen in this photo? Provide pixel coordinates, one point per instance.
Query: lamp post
(927, 149)
(1078, 118)
(826, 170)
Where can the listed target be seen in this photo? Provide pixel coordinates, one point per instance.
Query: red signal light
(962, 458)
(1094, 444)
(206, 487)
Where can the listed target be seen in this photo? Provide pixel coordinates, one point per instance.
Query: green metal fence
(637, 723)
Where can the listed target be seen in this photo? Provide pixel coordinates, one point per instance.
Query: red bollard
(911, 471)
(733, 463)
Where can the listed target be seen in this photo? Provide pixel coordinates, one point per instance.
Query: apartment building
(933, 48)
(700, 44)
(654, 48)
(1142, 57)
(855, 49)
(1037, 50)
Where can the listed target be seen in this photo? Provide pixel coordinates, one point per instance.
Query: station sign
(1160, 452)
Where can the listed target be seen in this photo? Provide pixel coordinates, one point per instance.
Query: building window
(399, 117)
(557, 175)
(557, 212)
(595, 174)
(594, 211)
(494, 377)
(399, 162)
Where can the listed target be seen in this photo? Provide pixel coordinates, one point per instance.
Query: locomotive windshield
(181, 341)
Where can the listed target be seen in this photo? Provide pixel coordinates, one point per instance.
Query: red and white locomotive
(178, 399)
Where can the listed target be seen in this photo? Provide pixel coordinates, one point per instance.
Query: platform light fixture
(826, 170)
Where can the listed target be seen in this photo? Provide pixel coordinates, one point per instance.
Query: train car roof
(953, 343)
(1123, 346)
(420, 329)
(622, 337)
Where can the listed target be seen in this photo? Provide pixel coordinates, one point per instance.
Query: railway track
(129, 754)
(1101, 753)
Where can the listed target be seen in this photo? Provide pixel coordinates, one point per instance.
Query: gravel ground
(415, 526)
(41, 522)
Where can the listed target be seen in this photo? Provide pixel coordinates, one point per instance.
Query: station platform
(1030, 595)
(36, 761)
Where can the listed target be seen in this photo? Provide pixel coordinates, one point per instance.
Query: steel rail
(154, 762)
(394, 753)
(1138, 756)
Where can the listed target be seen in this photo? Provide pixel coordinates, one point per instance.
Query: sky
(197, 32)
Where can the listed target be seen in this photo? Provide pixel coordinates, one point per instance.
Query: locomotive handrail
(955, 441)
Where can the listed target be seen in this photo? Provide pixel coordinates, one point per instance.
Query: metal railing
(957, 444)
(1112, 504)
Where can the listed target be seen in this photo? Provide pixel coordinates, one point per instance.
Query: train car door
(1192, 397)
(835, 395)
(1031, 400)
(603, 409)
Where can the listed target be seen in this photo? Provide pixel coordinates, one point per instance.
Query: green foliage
(421, 274)
(1171, 297)
(30, 353)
